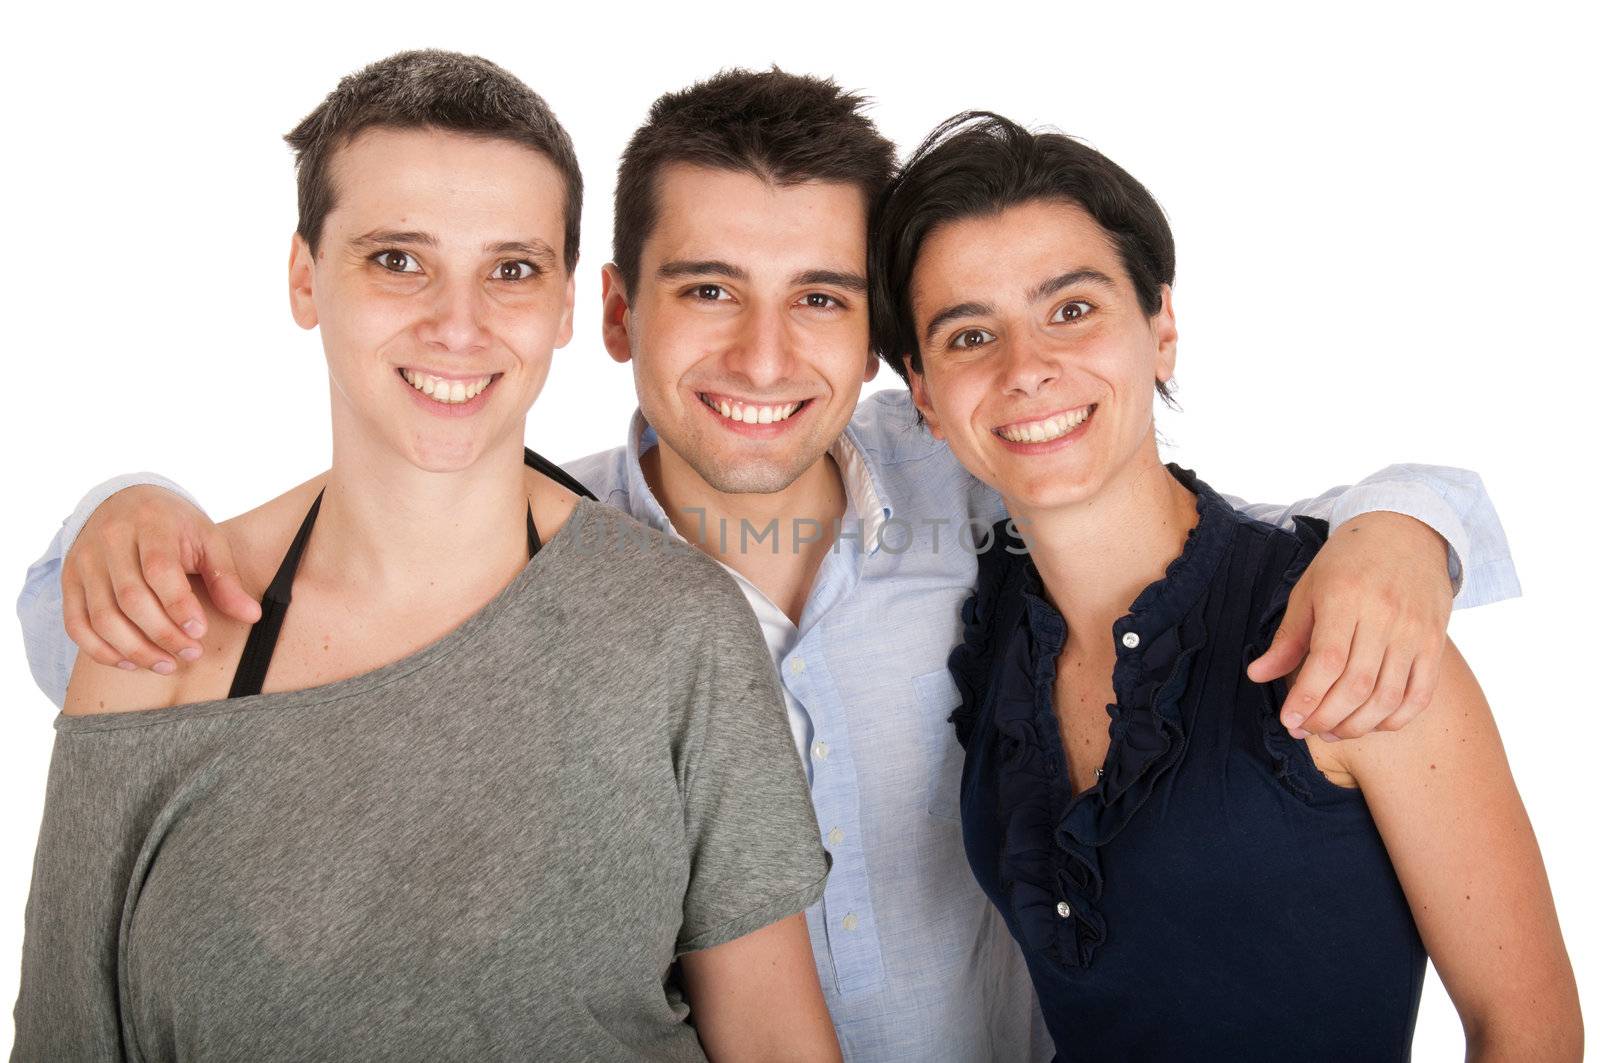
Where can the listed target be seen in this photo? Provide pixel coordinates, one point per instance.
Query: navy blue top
(1213, 896)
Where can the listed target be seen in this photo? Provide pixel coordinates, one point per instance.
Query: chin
(747, 478)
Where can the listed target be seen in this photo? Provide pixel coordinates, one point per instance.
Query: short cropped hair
(429, 89)
(978, 163)
(783, 128)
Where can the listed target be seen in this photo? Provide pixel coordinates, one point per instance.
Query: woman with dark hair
(1187, 882)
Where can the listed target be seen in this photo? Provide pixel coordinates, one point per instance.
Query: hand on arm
(1368, 618)
(1443, 798)
(757, 998)
(126, 598)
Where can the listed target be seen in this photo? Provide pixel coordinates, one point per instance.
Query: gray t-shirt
(491, 849)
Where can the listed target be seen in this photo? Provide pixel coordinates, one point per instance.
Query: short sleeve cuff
(753, 920)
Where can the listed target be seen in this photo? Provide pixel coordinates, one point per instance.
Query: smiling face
(1038, 363)
(748, 326)
(440, 293)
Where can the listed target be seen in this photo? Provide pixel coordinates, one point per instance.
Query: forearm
(1514, 1036)
(1453, 502)
(51, 653)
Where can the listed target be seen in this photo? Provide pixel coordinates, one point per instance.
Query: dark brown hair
(979, 163)
(429, 89)
(780, 127)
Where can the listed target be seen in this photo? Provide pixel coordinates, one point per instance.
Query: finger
(1290, 643)
(1325, 663)
(1419, 689)
(1387, 694)
(1355, 684)
(182, 617)
(76, 617)
(111, 624)
(227, 591)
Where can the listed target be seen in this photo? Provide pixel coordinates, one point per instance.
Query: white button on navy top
(1131, 640)
(1064, 910)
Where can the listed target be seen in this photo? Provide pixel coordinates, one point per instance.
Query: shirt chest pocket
(936, 698)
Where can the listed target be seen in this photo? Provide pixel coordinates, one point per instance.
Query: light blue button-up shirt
(914, 962)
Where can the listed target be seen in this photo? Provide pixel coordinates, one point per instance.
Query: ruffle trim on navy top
(1049, 852)
(1290, 762)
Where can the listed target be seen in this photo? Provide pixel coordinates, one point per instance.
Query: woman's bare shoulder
(257, 540)
(552, 503)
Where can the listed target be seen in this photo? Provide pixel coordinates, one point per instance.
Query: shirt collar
(861, 487)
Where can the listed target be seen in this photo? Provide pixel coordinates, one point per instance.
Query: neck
(404, 533)
(775, 539)
(1095, 556)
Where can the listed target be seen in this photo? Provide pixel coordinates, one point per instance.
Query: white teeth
(1046, 430)
(448, 392)
(738, 411)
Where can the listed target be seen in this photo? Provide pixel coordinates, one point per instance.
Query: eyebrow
(716, 267)
(700, 268)
(536, 249)
(952, 313)
(1067, 280)
(395, 236)
(532, 248)
(1039, 291)
(853, 282)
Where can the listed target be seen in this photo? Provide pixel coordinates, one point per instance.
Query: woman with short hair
(429, 811)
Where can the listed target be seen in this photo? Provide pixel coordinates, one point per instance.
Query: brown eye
(1072, 311)
(972, 337)
(708, 292)
(515, 271)
(820, 301)
(397, 262)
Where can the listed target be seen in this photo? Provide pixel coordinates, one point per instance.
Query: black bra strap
(555, 472)
(251, 674)
(257, 655)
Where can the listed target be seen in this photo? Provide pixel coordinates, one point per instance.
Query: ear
(302, 283)
(872, 367)
(615, 321)
(919, 397)
(1166, 333)
(564, 336)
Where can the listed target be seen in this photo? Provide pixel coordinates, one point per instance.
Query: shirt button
(835, 836)
(1130, 640)
(851, 922)
(797, 665)
(820, 751)
(1064, 910)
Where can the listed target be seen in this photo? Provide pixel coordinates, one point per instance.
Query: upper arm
(753, 845)
(97, 801)
(1460, 841)
(757, 997)
(96, 688)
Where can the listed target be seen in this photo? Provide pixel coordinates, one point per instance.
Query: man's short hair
(783, 128)
(979, 163)
(429, 89)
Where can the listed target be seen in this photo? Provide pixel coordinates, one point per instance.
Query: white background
(1385, 219)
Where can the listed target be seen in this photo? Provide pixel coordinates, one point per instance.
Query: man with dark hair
(739, 294)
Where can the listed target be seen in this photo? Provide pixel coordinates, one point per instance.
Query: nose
(761, 349)
(1030, 365)
(454, 321)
